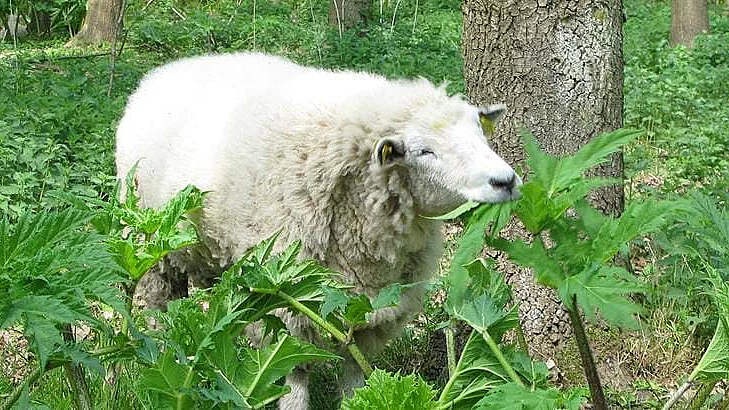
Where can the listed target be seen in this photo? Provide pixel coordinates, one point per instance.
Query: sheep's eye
(425, 151)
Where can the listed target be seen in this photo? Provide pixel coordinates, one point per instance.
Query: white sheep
(349, 163)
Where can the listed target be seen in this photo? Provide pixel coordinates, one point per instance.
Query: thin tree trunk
(558, 67)
(346, 14)
(689, 18)
(100, 24)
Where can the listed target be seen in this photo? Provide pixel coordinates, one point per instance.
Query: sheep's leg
(351, 377)
(298, 397)
(161, 284)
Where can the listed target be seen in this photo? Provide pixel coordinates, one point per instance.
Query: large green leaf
(385, 391)
(250, 377)
(167, 384)
(51, 270)
(605, 289)
(547, 270)
(714, 364)
(477, 371)
(512, 396)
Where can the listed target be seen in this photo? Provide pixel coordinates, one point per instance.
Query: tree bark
(557, 64)
(346, 14)
(689, 18)
(100, 23)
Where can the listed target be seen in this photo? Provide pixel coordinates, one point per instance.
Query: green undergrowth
(678, 96)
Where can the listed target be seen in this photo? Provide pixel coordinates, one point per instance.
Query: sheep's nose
(504, 183)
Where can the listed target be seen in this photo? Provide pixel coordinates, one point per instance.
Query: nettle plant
(63, 270)
(572, 247)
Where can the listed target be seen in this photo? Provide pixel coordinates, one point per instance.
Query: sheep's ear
(490, 116)
(388, 150)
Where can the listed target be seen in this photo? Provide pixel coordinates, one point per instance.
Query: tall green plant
(710, 227)
(573, 247)
(56, 270)
(52, 271)
(489, 374)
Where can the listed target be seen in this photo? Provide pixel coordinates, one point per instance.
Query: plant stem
(681, 390)
(338, 334)
(76, 375)
(456, 370)
(77, 380)
(500, 357)
(588, 362)
(450, 351)
(29, 381)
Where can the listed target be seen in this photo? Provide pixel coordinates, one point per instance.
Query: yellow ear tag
(487, 125)
(386, 151)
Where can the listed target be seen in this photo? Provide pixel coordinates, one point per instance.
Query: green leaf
(456, 212)
(353, 308)
(252, 375)
(484, 279)
(486, 316)
(357, 309)
(334, 299)
(386, 391)
(512, 396)
(595, 152)
(639, 218)
(547, 270)
(167, 384)
(389, 296)
(714, 364)
(604, 288)
(477, 372)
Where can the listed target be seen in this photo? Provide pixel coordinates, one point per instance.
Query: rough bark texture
(100, 23)
(689, 18)
(349, 13)
(558, 67)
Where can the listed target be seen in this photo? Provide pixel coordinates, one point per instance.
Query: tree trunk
(557, 64)
(40, 23)
(100, 23)
(346, 14)
(689, 18)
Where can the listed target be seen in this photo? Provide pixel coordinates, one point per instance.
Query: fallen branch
(681, 390)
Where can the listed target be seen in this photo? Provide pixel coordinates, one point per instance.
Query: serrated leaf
(477, 372)
(456, 212)
(254, 373)
(389, 296)
(357, 309)
(595, 152)
(511, 396)
(167, 383)
(639, 218)
(547, 270)
(714, 364)
(470, 244)
(385, 391)
(484, 279)
(334, 299)
(484, 315)
(605, 289)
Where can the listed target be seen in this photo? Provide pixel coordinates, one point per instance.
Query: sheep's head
(448, 161)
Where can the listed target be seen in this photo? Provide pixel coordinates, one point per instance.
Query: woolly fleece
(279, 145)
